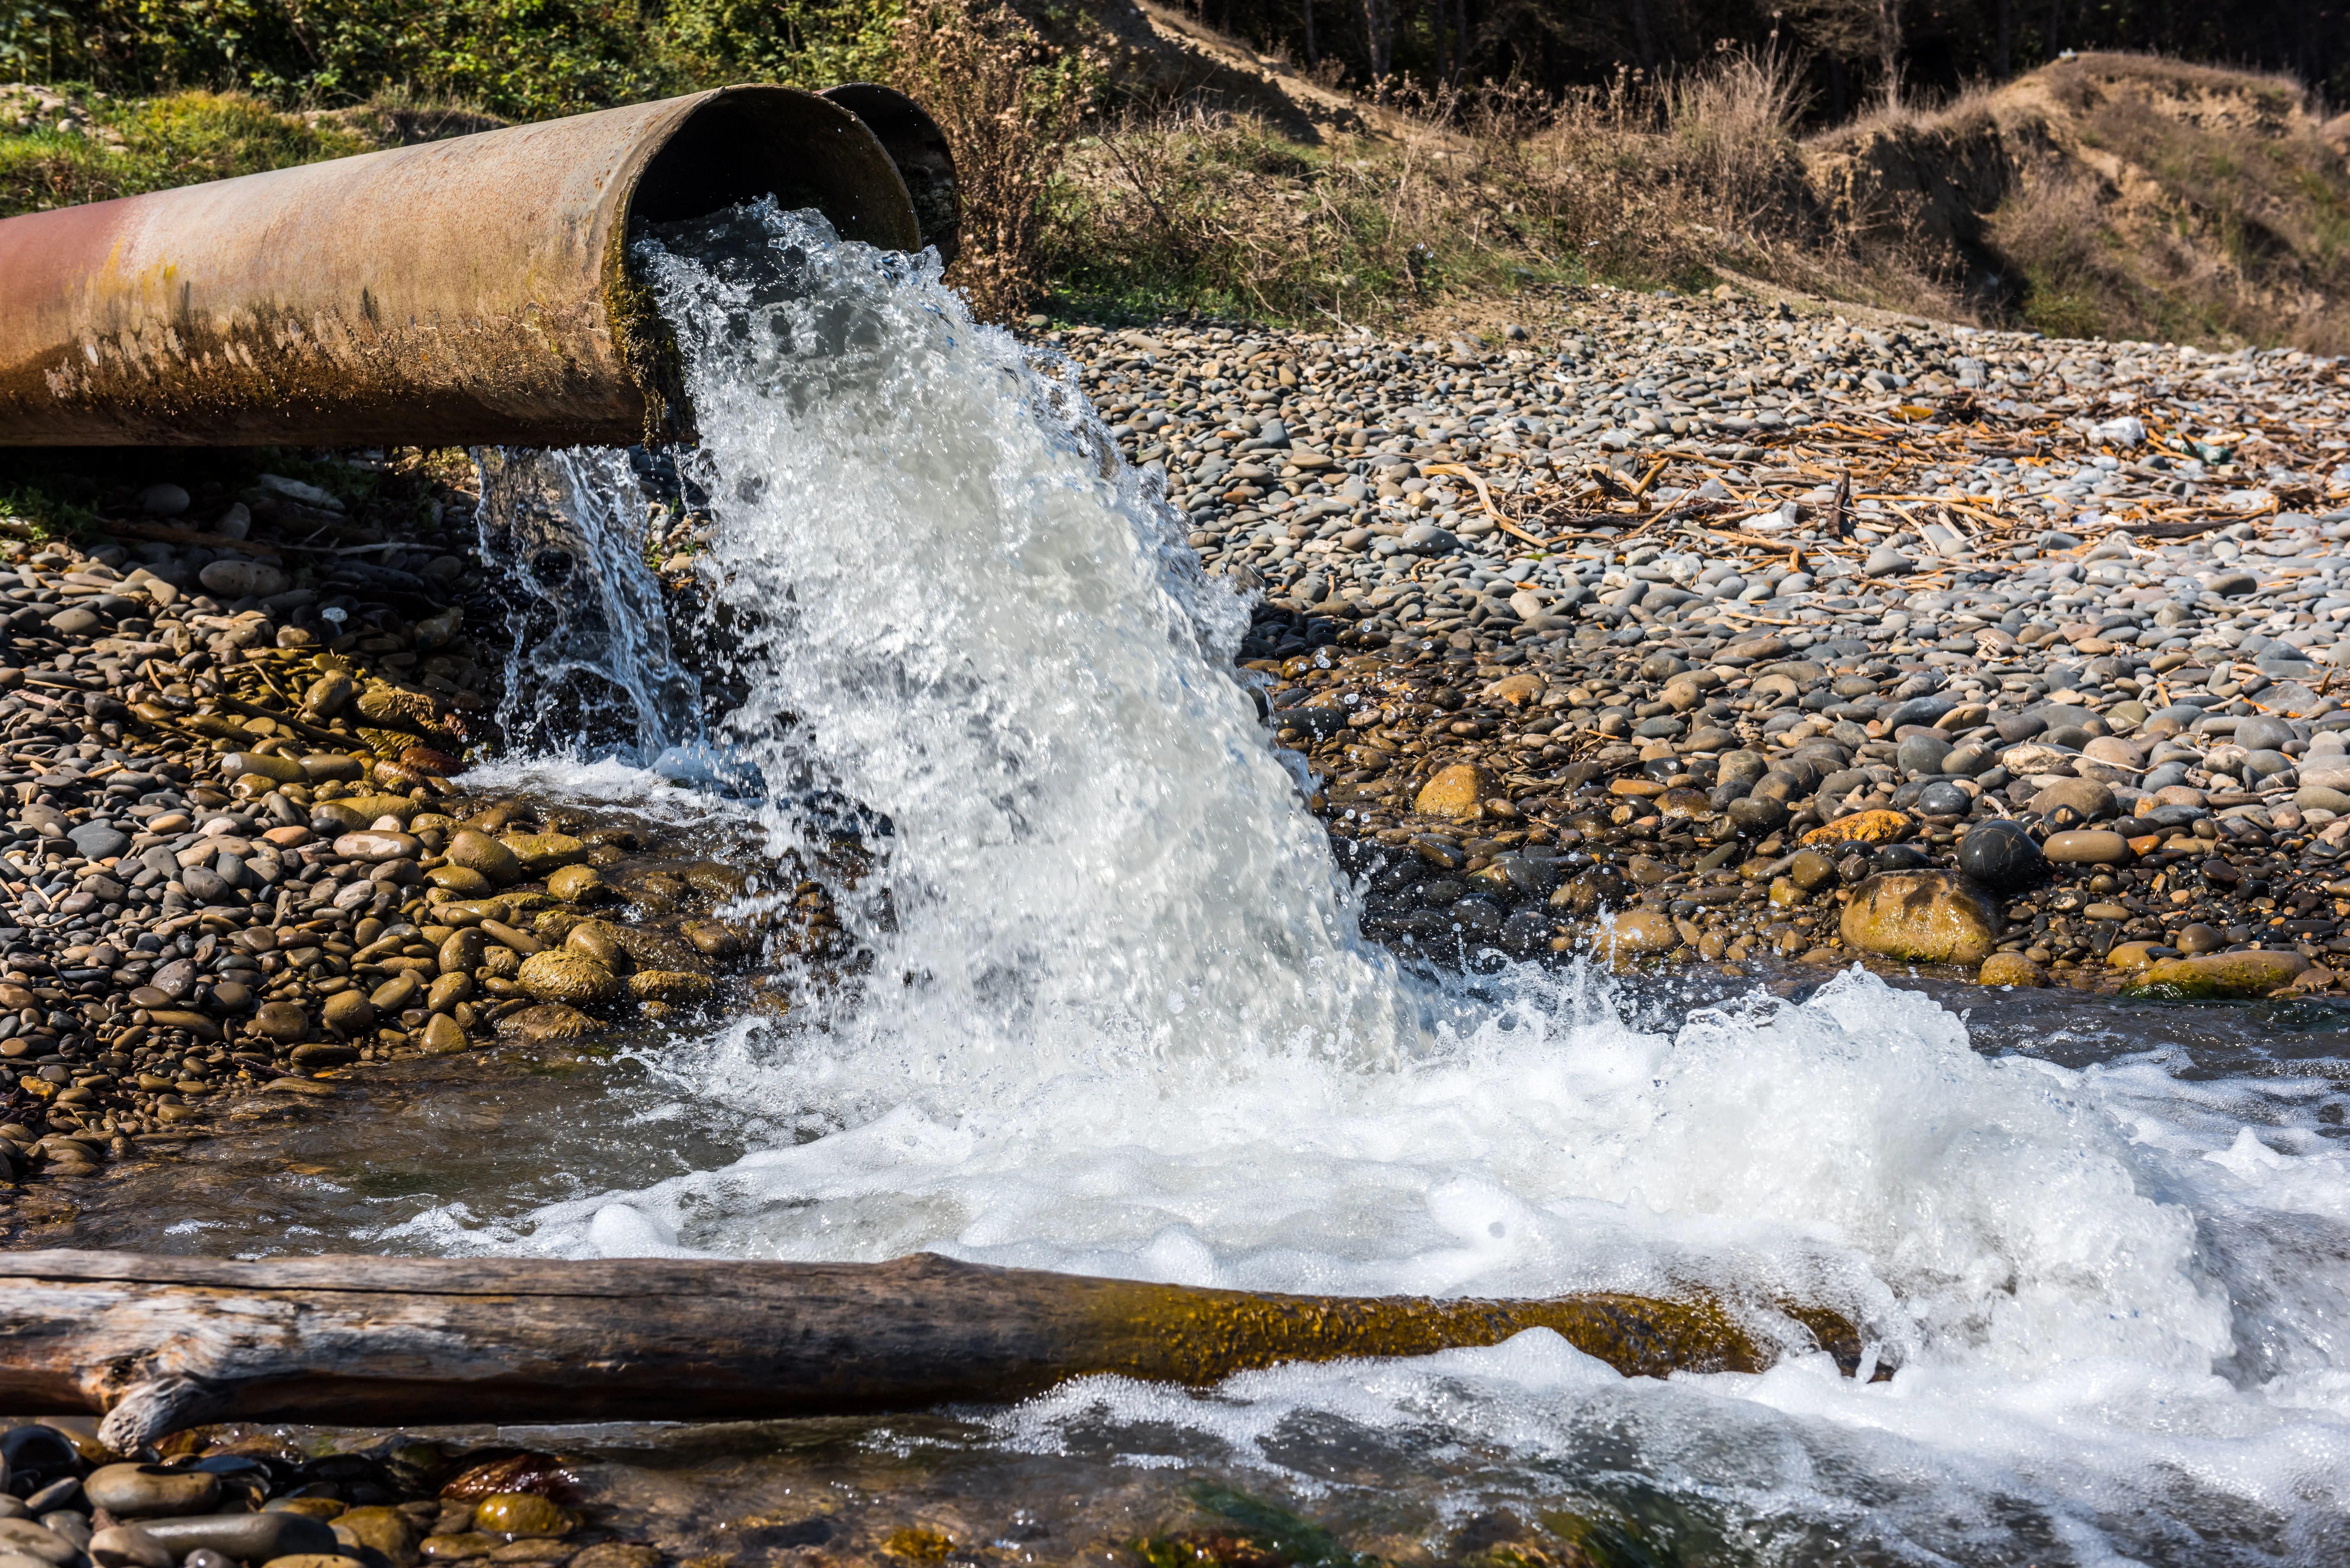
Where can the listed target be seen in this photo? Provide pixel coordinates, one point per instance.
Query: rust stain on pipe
(467, 291)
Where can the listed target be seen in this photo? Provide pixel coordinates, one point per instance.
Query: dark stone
(1917, 711)
(2263, 733)
(1921, 754)
(204, 885)
(2014, 727)
(1758, 815)
(2000, 855)
(1899, 858)
(1943, 798)
(1528, 931)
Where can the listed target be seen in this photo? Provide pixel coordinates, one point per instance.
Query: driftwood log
(157, 1343)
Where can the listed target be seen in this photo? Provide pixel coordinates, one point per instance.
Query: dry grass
(1636, 181)
(1009, 106)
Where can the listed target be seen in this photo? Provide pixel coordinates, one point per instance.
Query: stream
(1109, 1012)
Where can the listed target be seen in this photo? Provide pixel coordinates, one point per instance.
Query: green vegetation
(519, 59)
(80, 147)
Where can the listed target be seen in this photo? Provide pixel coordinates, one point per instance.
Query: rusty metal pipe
(473, 291)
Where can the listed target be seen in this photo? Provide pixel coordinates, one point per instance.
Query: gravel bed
(1669, 623)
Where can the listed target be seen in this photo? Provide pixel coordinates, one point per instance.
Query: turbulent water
(1119, 1021)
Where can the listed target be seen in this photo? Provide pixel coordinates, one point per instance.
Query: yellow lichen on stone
(1862, 828)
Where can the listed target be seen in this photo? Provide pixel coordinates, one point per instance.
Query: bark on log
(157, 1343)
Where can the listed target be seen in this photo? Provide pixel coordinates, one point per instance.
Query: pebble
(140, 1491)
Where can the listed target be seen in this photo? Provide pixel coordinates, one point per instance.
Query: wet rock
(2009, 969)
(450, 990)
(2200, 937)
(1636, 933)
(517, 1514)
(386, 1529)
(283, 1022)
(581, 885)
(2087, 848)
(476, 851)
(1457, 790)
(1924, 917)
(2000, 856)
(568, 977)
(540, 853)
(548, 1023)
(675, 987)
(1810, 870)
(713, 939)
(348, 1012)
(443, 1035)
(318, 1057)
(2215, 975)
(2133, 955)
(253, 764)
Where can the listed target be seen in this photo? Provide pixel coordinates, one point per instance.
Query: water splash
(590, 668)
(951, 604)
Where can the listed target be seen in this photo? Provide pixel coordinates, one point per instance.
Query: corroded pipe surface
(467, 291)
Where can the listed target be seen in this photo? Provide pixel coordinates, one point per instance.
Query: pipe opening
(739, 145)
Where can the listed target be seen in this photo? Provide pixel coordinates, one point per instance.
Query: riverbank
(1665, 624)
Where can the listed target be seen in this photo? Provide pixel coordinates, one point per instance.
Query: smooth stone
(253, 764)
(396, 994)
(1943, 798)
(1636, 933)
(2009, 969)
(164, 500)
(2253, 973)
(580, 885)
(712, 938)
(2087, 846)
(450, 989)
(443, 1035)
(602, 940)
(2091, 799)
(1922, 754)
(386, 1529)
(26, 1539)
(2316, 797)
(2001, 855)
(140, 1491)
(461, 1547)
(1925, 917)
(348, 1013)
(540, 853)
(2131, 955)
(128, 1546)
(312, 1057)
(2113, 749)
(1811, 871)
(476, 851)
(238, 579)
(99, 840)
(461, 880)
(568, 977)
(2263, 732)
(2199, 938)
(521, 1513)
(247, 1537)
(1460, 790)
(373, 845)
(283, 1022)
